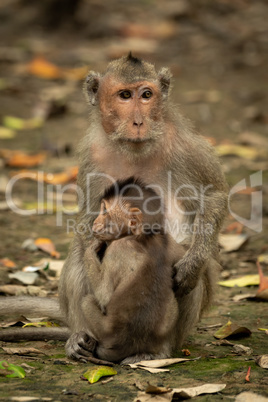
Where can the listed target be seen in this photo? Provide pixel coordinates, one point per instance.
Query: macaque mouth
(136, 140)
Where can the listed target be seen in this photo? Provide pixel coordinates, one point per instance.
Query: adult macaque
(132, 311)
(135, 131)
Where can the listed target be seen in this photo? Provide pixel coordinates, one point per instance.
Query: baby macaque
(132, 311)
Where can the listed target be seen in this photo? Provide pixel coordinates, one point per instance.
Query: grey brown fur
(171, 155)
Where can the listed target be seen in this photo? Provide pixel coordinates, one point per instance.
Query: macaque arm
(207, 223)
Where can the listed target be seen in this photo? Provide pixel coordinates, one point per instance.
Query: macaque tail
(34, 334)
(31, 307)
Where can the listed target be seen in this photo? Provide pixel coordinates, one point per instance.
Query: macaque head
(131, 98)
(116, 220)
(128, 208)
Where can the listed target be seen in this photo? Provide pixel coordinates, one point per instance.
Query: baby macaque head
(128, 208)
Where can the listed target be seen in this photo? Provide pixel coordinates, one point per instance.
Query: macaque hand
(96, 245)
(80, 346)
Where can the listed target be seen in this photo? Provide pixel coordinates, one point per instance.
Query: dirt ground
(217, 52)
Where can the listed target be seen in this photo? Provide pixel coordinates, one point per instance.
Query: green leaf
(18, 371)
(16, 123)
(95, 373)
(40, 324)
(247, 280)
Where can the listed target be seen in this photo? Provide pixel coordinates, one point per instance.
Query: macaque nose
(138, 120)
(138, 123)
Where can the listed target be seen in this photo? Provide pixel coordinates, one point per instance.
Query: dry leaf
(263, 258)
(6, 133)
(262, 361)
(197, 96)
(250, 397)
(23, 351)
(20, 159)
(6, 262)
(47, 246)
(232, 330)
(43, 68)
(27, 278)
(263, 280)
(182, 393)
(232, 242)
(151, 370)
(242, 350)
(162, 362)
(152, 389)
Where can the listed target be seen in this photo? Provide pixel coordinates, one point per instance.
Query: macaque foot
(143, 356)
(80, 346)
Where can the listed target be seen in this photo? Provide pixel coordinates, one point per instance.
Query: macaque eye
(147, 94)
(125, 94)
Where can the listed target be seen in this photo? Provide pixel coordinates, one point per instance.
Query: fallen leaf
(242, 350)
(195, 391)
(232, 242)
(262, 361)
(250, 397)
(6, 133)
(6, 262)
(245, 296)
(151, 370)
(181, 393)
(186, 352)
(47, 246)
(18, 371)
(53, 265)
(20, 159)
(23, 351)
(95, 373)
(64, 177)
(152, 389)
(17, 123)
(243, 281)
(40, 324)
(248, 374)
(263, 258)
(27, 278)
(241, 151)
(162, 362)
(42, 68)
(263, 280)
(232, 330)
(198, 96)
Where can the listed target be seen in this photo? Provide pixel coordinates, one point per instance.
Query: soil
(216, 47)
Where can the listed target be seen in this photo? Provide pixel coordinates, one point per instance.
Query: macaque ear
(135, 221)
(91, 87)
(164, 76)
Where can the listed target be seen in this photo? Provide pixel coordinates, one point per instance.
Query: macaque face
(116, 220)
(131, 112)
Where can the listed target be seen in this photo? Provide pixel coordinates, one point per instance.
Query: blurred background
(217, 52)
